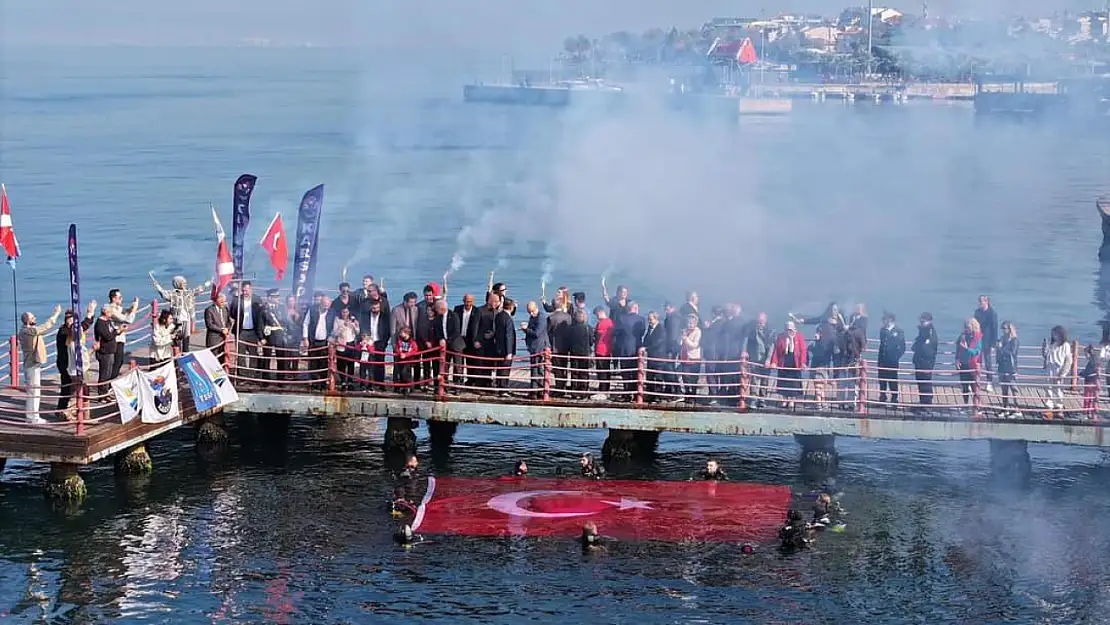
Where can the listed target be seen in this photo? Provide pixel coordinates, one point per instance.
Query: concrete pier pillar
(399, 435)
(64, 483)
(624, 445)
(212, 431)
(442, 434)
(3, 461)
(1010, 460)
(134, 460)
(818, 449)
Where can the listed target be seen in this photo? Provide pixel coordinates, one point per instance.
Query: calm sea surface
(906, 208)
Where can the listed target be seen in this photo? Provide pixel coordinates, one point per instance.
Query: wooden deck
(59, 442)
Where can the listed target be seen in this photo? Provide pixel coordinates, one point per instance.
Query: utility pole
(870, 23)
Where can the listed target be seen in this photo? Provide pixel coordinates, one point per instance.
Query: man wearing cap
(892, 344)
(34, 357)
(275, 335)
(925, 359)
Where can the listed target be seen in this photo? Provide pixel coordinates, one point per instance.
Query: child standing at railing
(404, 359)
(365, 362)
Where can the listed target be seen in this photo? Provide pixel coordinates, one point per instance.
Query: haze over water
(910, 208)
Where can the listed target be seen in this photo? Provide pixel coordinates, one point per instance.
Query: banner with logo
(304, 258)
(75, 301)
(241, 218)
(159, 394)
(129, 396)
(208, 381)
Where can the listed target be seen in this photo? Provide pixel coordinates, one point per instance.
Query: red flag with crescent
(274, 244)
(627, 510)
(7, 233)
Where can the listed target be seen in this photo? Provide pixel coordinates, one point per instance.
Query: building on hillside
(821, 37)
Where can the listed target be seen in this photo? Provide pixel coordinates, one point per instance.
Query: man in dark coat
(468, 316)
(505, 342)
(448, 336)
(486, 340)
(892, 344)
(628, 337)
(248, 321)
(557, 322)
(657, 352)
(537, 341)
(925, 359)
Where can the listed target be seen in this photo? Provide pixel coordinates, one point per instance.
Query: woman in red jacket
(603, 348)
(969, 356)
(789, 358)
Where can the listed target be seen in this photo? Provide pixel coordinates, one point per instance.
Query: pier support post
(442, 434)
(818, 449)
(3, 461)
(624, 445)
(64, 483)
(399, 437)
(134, 460)
(212, 431)
(1010, 460)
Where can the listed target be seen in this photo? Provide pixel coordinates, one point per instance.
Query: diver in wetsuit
(590, 539)
(403, 496)
(405, 536)
(590, 469)
(794, 534)
(826, 512)
(712, 472)
(521, 469)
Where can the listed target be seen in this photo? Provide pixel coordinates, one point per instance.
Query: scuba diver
(521, 469)
(403, 499)
(827, 513)
(712, 472)
(590, 469)
(406, 537)
(794, 534)
(590, 539)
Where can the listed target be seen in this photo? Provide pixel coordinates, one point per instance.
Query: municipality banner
(75, 301)
(241, 218)
(158, 388)
(304, 255)
(208, 381)
(128, 395)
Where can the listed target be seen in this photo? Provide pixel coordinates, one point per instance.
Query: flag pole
(15, 298)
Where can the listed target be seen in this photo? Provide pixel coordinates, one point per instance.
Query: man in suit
(427, 367)
(378, 327)
(486, 340)
(217, 326)
(658, 354)
(468, 327)
(315, 333)
(537, 342)
(248, 322)
(448, 336)
(626, 345)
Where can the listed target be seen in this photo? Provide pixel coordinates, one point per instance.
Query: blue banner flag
(240, 219)
(75, 300)
(308, 233)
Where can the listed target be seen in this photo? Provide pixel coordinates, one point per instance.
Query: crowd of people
(689, 353)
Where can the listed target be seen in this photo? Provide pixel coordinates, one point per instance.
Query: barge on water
(1083, 98)
(556, 94)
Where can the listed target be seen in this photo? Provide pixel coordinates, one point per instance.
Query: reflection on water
(303, 535)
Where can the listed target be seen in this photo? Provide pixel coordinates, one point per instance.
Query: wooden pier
(724, 400)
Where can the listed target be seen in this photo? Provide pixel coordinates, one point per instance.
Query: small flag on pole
(225, 268)
(274, 243)
(7, 233)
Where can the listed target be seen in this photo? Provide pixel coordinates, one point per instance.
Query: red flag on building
(746, 55)
(225, 268)
(274, 244)
(628, 510)
(7, 233)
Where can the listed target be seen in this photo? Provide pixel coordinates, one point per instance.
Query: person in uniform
(275, 338)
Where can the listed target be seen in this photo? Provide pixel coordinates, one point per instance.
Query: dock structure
(644, 397)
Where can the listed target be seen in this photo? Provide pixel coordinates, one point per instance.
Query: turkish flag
(274, 244)
(7, 233)
(225, 268)
(627, 510)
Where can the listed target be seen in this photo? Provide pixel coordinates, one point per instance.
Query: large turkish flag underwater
(627, 510)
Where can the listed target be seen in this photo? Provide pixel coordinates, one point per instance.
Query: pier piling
(442, 434)
(3, 461)
(64, 483)
(134, 460)
(212, 431)
(1010, 460)
(818, 449)
(399, 437)
(624, 445)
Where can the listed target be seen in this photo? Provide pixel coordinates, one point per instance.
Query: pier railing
(742, 384)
